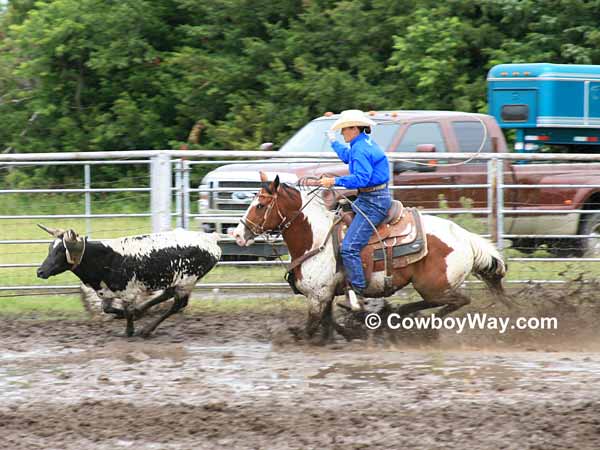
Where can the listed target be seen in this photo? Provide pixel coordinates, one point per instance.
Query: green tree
(90, 73)
(139, 74)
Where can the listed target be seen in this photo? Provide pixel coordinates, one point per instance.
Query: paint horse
(305, 224)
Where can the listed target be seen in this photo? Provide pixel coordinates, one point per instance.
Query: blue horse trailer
(547, 104)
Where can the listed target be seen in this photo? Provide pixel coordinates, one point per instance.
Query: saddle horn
(56, 232)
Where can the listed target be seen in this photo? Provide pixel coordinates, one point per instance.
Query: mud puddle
(212, 382)
(245, 371)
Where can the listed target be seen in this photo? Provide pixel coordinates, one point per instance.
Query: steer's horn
(56, 232)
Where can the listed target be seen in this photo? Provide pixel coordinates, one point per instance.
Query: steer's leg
(179, 302)
(129, 316)
(108, 308)
(139, 311)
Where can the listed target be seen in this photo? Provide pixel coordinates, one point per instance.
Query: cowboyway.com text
(477, 321)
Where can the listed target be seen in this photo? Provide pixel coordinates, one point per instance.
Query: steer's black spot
(158, 269)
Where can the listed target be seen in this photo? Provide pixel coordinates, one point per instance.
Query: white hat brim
(345, 123)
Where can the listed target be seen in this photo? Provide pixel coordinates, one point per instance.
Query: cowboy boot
(356, 299)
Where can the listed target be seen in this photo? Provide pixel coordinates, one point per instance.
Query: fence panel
(162, 189)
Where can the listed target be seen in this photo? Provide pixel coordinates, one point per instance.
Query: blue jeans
(375, 206)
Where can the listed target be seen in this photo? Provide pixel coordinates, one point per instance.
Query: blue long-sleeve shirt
(367, 163)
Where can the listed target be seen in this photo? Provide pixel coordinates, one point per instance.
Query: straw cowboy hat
(352, 118)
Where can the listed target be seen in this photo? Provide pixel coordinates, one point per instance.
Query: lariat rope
(460, 163)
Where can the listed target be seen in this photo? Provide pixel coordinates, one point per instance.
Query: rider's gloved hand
(327, 182)
(331, 136)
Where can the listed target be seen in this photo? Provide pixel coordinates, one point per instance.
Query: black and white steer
(135, 269)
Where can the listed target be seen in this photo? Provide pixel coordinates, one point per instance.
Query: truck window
(422, 133)
(384, 133)
(514, 113)
(313, 137)
(469, 135)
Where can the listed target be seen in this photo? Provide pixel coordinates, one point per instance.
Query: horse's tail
(488, 265)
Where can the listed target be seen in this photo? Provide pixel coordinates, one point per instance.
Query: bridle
(258, 229)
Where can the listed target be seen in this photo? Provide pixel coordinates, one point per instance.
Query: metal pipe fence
(165, 198)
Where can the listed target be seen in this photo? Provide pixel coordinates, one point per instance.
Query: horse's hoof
(345, 307)
(344, 304)
(296, 332)
(317, 342)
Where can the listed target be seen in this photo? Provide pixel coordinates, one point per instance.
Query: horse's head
(275, 206)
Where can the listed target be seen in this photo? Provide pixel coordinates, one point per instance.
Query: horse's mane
(267, 186)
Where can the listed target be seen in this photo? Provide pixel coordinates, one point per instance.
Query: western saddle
(399, 239)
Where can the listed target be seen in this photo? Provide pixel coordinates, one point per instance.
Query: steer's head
(273, 207)
(65, 253)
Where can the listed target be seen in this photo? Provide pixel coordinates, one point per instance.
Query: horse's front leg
(319, 316)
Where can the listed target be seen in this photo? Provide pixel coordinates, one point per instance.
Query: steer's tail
(489, 266)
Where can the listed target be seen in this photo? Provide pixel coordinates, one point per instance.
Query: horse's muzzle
(242, 236)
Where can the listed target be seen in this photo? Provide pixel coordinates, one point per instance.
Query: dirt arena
(239, 381)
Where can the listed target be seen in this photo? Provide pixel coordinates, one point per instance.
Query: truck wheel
(524, 245)
(590, 224)
(563, 248)
(239, 258)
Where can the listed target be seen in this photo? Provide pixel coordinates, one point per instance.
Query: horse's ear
(276, 184)
(263, 177)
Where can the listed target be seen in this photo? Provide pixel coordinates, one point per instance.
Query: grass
(236, 305)
(70, 306)
(49, 306)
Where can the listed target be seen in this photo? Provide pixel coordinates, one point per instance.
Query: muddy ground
(238, 381)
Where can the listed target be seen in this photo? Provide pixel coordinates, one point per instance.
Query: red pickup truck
(440, 132)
